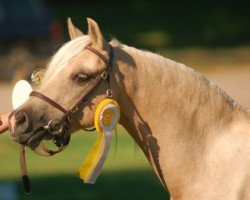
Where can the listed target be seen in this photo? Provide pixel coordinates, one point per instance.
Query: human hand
(4, 125)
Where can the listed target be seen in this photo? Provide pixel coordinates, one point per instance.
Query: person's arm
(4, 124)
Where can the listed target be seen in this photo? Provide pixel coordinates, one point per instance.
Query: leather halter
(60, 136)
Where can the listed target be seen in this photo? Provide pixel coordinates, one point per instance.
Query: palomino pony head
(75, 82)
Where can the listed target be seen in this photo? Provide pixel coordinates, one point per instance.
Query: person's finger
(4, 125)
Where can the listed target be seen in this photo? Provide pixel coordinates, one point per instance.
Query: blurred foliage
(159, 24)
(125, 175)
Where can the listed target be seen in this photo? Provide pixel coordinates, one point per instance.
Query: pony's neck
(167, 104)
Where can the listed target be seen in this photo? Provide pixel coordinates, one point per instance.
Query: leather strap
(48, 100)
(24, 172)
(98, 54)
(47, 152)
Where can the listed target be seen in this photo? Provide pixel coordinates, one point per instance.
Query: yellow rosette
(106, 117)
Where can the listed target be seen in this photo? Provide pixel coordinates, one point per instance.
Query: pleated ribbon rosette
(106, 117)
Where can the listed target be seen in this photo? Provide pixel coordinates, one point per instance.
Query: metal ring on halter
(104, 75)
(50, 129)
(109, 93)
(73, 109)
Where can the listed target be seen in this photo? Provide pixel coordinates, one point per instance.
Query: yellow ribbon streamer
(106, 117)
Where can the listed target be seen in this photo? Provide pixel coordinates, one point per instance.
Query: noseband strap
(48, 100)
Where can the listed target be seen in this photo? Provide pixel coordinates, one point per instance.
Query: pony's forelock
(64, 55)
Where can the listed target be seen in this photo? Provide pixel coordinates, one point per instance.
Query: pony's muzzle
(19, 126)
(21, 121)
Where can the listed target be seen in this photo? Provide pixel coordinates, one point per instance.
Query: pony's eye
(80, 78)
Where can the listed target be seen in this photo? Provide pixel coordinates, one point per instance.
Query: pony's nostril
(21, 118)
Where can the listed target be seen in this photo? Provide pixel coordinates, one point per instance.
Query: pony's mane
(156, 58)
(64, 55)
(178, 67)
(73, 47)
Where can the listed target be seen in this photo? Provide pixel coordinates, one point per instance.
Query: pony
(194, 135)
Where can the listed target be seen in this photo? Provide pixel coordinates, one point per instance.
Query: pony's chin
(33, 145)
(35, 140)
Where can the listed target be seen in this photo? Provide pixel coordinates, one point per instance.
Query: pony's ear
(95, 34)
(73, 31)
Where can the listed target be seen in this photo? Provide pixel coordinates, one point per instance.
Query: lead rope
(25, 177)
(24, 171)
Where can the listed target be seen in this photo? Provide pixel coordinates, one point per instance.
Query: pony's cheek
(75, 125)
(87, 119)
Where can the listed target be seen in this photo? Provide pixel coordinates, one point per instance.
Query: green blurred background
(203, 34)
(160, 24)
